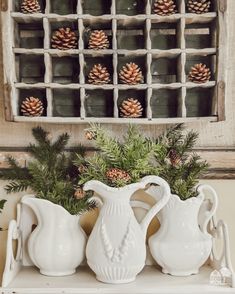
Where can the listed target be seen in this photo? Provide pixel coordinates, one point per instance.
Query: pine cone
(79, 193)
(174, 157)
(64, 39)
(131, 108)
(198, 6)
(30, 6)
(89, 135)
(82, 168)
(116, 174)
(32, 106)
(199, 74)
(164, 7)
(98, 40)
(131, 74)
(99, 75)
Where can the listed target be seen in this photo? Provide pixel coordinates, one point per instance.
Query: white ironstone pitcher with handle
(182, 244)
(116, 249)
(57, 245)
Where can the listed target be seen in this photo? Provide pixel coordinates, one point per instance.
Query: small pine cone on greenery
(30, 6)
(32, 106)
(131, 108)
(199, 73)
(82, 168)
(79, 193)
(131, 74)
(117, 175)
(198, 6)
(99, 75)
(64, 39)
(89, 135)
(164, 7)
(98, 40)
(174, 157)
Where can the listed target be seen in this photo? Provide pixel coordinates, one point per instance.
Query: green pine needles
(118, 162)
(51, 175)
(180, 167)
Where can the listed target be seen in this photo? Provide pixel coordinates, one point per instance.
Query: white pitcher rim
(197, 198)
(141, 185)
(35, 198)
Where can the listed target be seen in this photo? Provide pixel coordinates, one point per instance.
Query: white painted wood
(108, 120)
(150, 281)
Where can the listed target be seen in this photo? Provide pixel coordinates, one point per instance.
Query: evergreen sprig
(2, 203)
(133, 153)
(182, 177)
(51, 175)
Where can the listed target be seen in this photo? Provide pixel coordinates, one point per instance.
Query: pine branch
(60, 143)
(2, 203)
(108, 146)
(182, 176)
(17, 186)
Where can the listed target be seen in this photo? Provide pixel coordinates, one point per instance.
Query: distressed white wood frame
(12, 86)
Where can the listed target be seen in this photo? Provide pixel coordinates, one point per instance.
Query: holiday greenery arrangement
(179, 166)
(117, 162)
(51, 175)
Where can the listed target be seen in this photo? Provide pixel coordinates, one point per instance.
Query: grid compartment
(199, 102)
(199, 36)
(131, 35)
(140, 95)
(164, 35)
(208, 60)
(164, 70)
(66, 103)
(130, 7)
(55, 25)
(141, 61)
(99, 103)
(65, 70)
(91, 25)
(98, 7)
(17, 5)
(30, 69)
(164, 103)
(35, 92)
(63, 7)
(178, 4)
(104, 60)
(164, 47)
(29, 34)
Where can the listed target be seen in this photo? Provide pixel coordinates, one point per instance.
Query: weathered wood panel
(222, 161)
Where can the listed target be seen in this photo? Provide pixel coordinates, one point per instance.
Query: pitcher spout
(107, 192)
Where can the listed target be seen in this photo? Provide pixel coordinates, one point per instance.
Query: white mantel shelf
(150, 281)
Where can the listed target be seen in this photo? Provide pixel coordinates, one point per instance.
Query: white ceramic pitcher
(116, 249)
(57, 245)
(182, 244)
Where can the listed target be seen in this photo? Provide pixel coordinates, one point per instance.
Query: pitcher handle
(160, 204)
(211, 212)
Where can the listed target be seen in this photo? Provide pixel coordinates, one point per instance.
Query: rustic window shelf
(165, 48)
